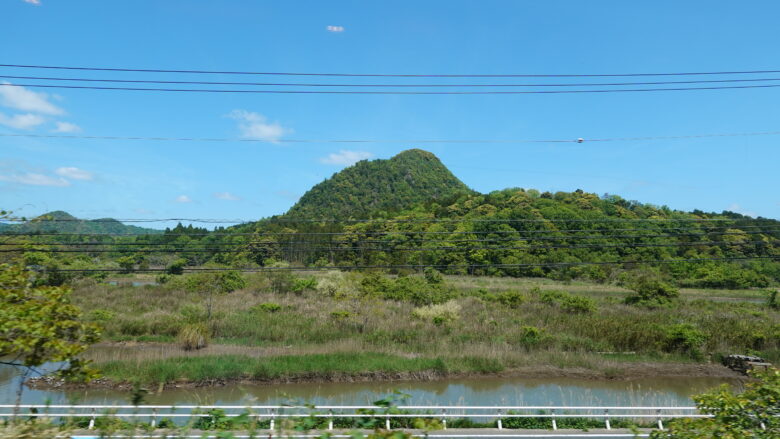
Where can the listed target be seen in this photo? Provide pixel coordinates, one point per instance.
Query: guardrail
(332, 412)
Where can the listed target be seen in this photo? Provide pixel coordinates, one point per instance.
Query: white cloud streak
(34, 179)
(256, 126)
(22, 99)
(336, 29)
(74, 173)
(183, 199)
(33, 2)
(66, 127)
(21, 121)
(345, 157)
(226, 196)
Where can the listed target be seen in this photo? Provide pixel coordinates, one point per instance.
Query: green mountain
(63, 222)
(380, 188)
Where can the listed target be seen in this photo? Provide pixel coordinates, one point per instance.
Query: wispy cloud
(226, 196)
(66, 127)
(256, 126)
(74, 173)
(21, 121)
(183, 199)
(734, 207)
(20, 98)
(34, 179)
(335, 28)
(345, 157)
(33, 2)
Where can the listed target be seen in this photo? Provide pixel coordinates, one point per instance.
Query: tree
(753, 414)
(38, 325)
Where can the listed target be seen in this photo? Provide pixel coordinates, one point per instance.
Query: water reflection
(482, 391)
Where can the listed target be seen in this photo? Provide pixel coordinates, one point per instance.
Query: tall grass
(531, 333)
(287, 367)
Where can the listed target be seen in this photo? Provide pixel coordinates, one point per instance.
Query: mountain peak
(371, 188)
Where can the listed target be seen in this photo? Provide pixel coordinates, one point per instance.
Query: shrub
(302, 284)
(651, 292)
(578, 305)
(177, 266)
(530, 335)
(552, 297)
(193, 336)
(510, 299)
(269, 307)
(100, 315)
(433, 276)
(684, 338)
(340, 315)
(438, 314)
(772, 300)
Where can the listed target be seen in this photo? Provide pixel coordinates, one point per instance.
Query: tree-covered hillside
(63, 222)
(408, 212)
(379, 187)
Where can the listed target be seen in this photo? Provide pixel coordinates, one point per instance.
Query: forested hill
(63, 222)
(379, 187)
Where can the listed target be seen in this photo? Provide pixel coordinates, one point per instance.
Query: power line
(395, 249)
(382, 85)
(408, 141)
(421, 266)
(359, 92)
(481, 75)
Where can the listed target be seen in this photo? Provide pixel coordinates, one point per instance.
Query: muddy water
(480, 391)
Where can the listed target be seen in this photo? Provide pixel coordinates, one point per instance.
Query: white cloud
(21, 121)
(74, 173)
(183, 199)
(20, 98)
(66, 127)
(34, 179)
(734, 207)
(33, 2)
(256, 126)
(226, 196)
(346, 157)
(335, 28)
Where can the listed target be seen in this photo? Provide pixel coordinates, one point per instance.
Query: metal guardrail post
(154, 418)
(499, 423)
(92, 421)
(606, 419)
(554, 423)
(660, 422)
(444, 419)
(273, 418)
(387, 423)
(330, 419)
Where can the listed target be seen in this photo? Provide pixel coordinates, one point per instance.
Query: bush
(772, 299)
(193, 336)
(651, 292)
(578, 305)
(302, 284)
(438, 314)
(177, 266)
(510, 299)
(684, 338)
(269, 307)
(552, 297)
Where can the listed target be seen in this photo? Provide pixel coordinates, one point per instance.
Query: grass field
(486, 324)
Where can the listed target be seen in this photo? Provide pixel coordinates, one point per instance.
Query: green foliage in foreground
(40, 325)
(752, 414)
(229, 367)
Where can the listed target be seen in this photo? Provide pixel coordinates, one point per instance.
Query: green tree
(38, 324)
(752, 414)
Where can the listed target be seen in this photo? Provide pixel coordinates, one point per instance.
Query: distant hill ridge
(379, 187)
(60, 221)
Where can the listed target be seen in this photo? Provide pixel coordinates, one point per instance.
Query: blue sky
(133, 179)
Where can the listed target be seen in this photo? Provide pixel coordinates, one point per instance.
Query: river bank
(223, 370)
